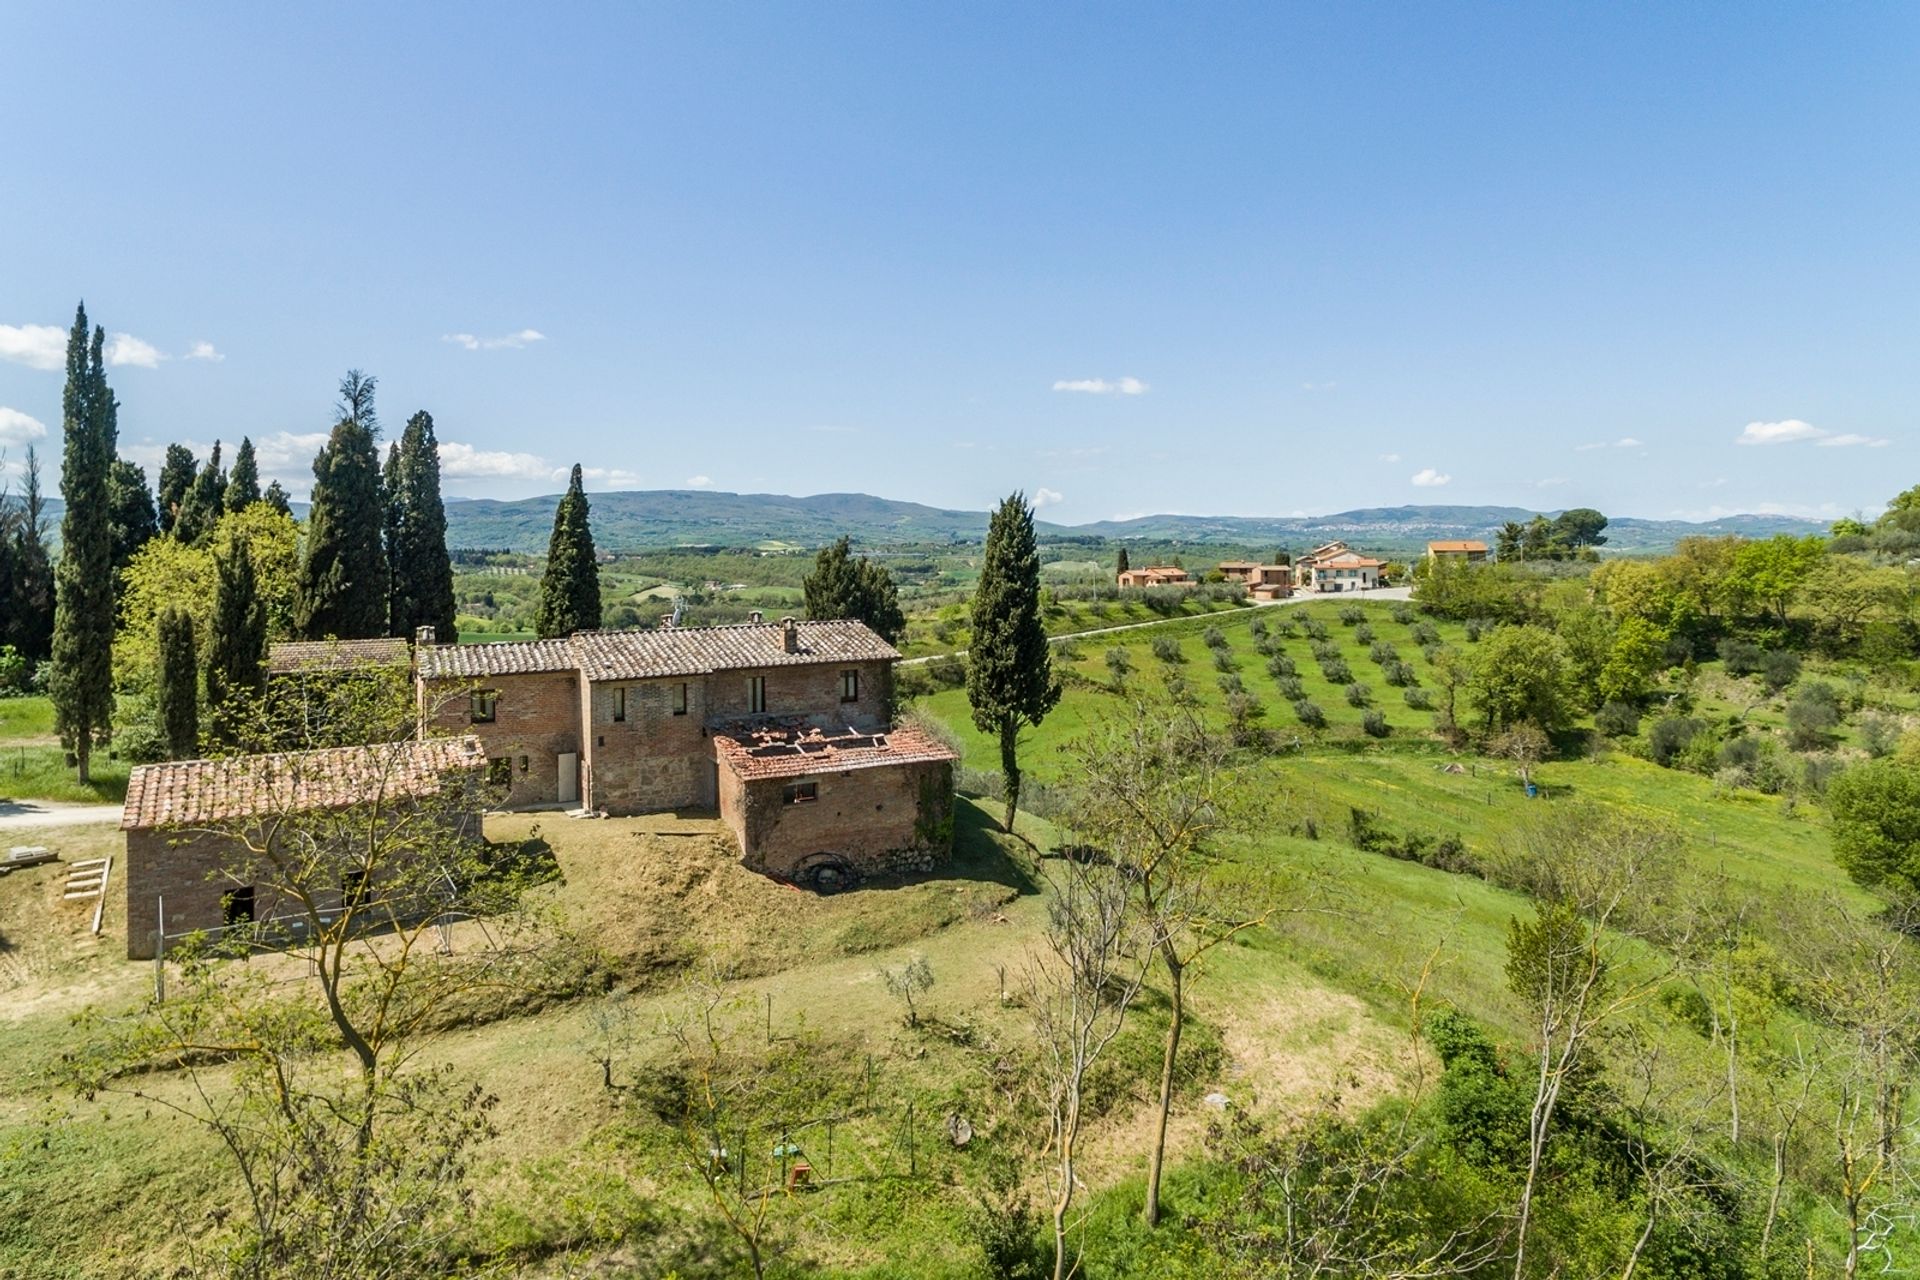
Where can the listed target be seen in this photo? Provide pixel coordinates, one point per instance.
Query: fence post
(160, 950)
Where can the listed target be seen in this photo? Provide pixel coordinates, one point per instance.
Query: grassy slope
(33, 767)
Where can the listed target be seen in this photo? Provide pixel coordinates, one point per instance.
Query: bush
(1257, 628)
(1425, 633)
(1375, 723)
(1280, 666)
(1740, 657)
(1812, 716)
(1431, 652)
(1310, 714)
(1403, 614)
(1290, 688)
(1670, 736)
(1231, 684)
(1474, 629)
(1363, 634)
(1167, 649)
(1879, 733)
(1336, 671)
(1358, 695)
(1316, 629)
(1223, 660)
(1382, 652)
(1400, 675)
(1418, 699)
(13, 672)
(1778, 669)
(1325, 651)
(1352, 615)
(1617, 719)
(1213, 638)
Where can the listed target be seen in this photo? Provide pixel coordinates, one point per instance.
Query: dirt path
(1383, 593)
(21, 815)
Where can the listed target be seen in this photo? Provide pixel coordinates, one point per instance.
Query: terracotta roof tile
(1456, 544)
(795, 753)
(196, 792)
(335, 655)
(692, 651)
(501, 658)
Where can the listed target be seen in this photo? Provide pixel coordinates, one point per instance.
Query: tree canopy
(570, 590)
(843, 586)
(343, 578)
(1010, 680)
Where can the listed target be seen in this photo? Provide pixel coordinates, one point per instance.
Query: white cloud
(125, 349)
(1786, 432)
(511, 341)
(1847, 440)
(699, 482)
(1428, 478)
(602, 475)
(1624, 442)
(18, 428)
(1389, 457)
(1045, 497)
(38, 346)
(204, 351)
(1550, 482)
(1102, 387)
(464, 462)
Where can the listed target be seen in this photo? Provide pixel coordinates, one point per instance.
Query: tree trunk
(1010, 767)
(1064, 1201)
(1156, 1158)
(83, 755)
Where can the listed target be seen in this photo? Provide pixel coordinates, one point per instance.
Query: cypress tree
(130, 511)
(343, 577)
(570, 591)
(177, 702)
(243, 482)
(276, 497)
(237, 647)
(1010, 682)
(1120, 562)
(176, 477)
(417, 551)
(28, 622)
(843, 587)
(201, 507)
(82, 682)
(877, 601)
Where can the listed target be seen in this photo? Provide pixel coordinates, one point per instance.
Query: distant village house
(1159, 575)
(1463, 550)
(1262, 581)
(1336, 567)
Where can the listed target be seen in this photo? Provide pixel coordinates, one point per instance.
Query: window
(500, 771)
(756, 693)
(524, 763)
(353, 888)
(619, 704)
(237, 905)
(481, 704)
(800, 793)
(849, 686)
(680, 699)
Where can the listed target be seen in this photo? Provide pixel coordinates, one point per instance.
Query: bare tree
(1080, 988)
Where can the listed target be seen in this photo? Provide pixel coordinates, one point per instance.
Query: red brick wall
(536, 717)
(871, 817)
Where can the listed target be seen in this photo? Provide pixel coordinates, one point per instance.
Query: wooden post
(160, 950)
(769, 1017)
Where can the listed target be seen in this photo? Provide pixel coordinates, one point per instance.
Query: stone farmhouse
(1159, 575)
(784, 729)
(1336, 566)
(1262, 581)
(189, 823)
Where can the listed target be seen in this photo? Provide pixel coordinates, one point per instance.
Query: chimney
(666, 622)
(423, 638)
(756, 616)
(789, 636)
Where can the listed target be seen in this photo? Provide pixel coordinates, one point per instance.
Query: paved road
(1382, 593)
(23, 814)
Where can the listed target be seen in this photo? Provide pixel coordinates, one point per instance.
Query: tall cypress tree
(130, 511)
(343, 578)
(422, 569)
(200, 509)
(28, 623)
(1120, 563)
(276, 497)
(177, 701)
(570, 591)
(243, 482)
(237, 647)
(1010, 682)
(82, 683)
(176, 477)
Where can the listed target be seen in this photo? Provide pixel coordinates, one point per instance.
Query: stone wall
(536, 720)
(891, 819)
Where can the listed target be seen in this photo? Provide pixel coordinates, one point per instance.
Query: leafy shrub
(1352, 615)
(1358, 695)
(1617, 719)
(1475, 627)
(1290, 688)
(1375, 724)
(1280, 665)
(1403, 614)
(1287, 628)
(1316, 629)
(1336, 671)
(1484, 1110)
(1740, 657)
(1223, 660)
(1812, 716)
(1400, 675)
(1325, 651)
(1425, 633)
(1231, 684)
(1310, 714)
(1213, 638)
(1257, 628)
(1816, 772)
(1670, 736)
(1430, 652)
(1779, 668)
(1419, 699)
(1382, 652)
(13, 672)
(1167, 649)
(1363, 634)
(1677, 652)
(1879, 733)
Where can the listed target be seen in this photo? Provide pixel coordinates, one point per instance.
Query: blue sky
(1658, 259)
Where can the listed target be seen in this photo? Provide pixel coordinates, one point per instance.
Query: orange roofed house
(1463, 549)
(1157, 575)
(1262, 581)
(1337, 567)
(785, 729)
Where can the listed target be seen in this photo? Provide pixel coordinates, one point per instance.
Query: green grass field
(33, 766)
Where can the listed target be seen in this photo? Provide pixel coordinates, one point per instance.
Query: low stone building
(639, 721)
(189, 824)
(1156, 575)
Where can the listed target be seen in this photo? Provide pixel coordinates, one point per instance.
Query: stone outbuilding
(188, 823)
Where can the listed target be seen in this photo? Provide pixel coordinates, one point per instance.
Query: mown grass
(34, 767)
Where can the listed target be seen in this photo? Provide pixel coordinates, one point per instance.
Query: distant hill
(683, 517)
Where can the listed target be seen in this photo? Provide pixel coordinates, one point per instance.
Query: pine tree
(176, 478)
(130, 511)
(200, 509)
(28, 623)
(570, 591)
(343, 578)
(237, 646)
(1010, 682)
(276, 497)
(843, 587)
(1120, 563)
(82, 682)
(417, 546)
(177, 701)
(243, 482)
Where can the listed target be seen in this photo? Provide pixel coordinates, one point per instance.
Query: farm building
(1461, 549)
(1159, 575)
(1262, 581)
(192, 826)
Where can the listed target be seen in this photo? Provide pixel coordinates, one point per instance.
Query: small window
(353, 888)
(800, 793)
(849, 686)
(524, 763)
(680, 699)
(756, 694)
(500, 771)
(619, 705)
(481, 704)
(237, 905)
